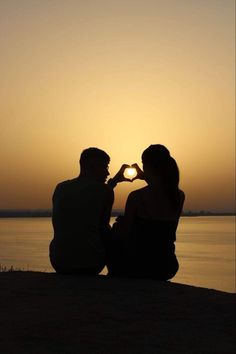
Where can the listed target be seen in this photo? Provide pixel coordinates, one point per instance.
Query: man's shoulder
(137, 192)
(103, 188)
(108, 190)
(101, 191)
(84, 184)
(65, 184)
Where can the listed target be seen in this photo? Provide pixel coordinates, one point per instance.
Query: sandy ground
(47, 313)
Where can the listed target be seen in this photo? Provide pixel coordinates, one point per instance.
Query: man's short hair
(93, 154)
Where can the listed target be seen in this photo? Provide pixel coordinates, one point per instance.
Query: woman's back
(154, 204)
(147, 246)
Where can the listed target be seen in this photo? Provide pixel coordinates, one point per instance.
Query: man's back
(81, 213)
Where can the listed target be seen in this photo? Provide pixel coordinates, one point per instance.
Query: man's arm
(119, 177)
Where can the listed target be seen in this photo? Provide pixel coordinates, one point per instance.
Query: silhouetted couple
(141, 243)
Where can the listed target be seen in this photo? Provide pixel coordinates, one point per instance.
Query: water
(205, 248)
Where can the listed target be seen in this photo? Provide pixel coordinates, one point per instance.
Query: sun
(130, 172)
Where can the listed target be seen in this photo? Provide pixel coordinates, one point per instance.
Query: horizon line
(115, 212)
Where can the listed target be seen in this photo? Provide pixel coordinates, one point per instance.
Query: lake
(205, 248)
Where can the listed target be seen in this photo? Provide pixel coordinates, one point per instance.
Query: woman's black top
(149, 249)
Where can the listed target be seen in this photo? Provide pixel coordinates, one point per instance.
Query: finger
(136, 166)
(122, 169)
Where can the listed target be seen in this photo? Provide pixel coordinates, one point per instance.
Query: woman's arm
(119, 177)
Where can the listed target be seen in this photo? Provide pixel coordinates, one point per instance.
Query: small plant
(4, 269)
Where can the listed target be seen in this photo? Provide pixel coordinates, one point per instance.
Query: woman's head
(159, 167)
(154, 154)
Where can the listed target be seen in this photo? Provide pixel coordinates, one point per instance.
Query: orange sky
(119, 75)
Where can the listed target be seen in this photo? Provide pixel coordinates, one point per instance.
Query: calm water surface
(205, 248)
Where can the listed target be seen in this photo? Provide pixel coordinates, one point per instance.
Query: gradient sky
(118, 75)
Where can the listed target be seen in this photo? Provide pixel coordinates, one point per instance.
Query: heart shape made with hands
(130, 172)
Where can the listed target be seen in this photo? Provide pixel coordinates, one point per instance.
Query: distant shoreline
(16, 213)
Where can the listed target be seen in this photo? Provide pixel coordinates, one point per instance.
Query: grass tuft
(4, 269)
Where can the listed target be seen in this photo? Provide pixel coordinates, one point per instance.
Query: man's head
(94, 164)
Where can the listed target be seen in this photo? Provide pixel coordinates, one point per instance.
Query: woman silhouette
(143, 239)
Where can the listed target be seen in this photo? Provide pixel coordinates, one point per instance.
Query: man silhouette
(81, 215)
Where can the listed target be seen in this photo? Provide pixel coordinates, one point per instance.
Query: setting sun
(130, 172)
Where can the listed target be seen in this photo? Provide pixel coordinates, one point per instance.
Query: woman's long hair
(165, 168)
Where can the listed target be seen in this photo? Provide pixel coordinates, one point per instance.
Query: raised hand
(119, 177)
(140, 174)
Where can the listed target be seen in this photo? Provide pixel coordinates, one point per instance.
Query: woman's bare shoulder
(138, 192)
